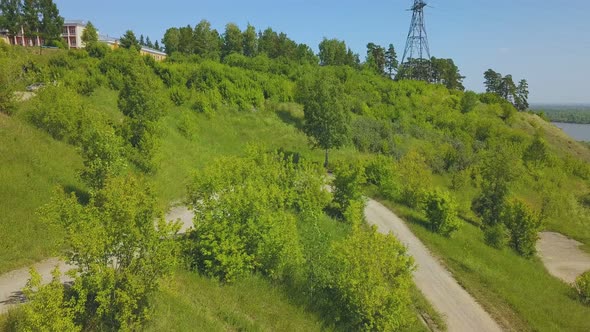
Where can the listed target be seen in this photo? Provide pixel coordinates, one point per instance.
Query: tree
(12, 18)
(90, 35)
(121, 247)
(521, 96)
(376, 58)
(142, 106)
(333, 52)
(129, 41)
(493, 81)
(250, 40)
(498, 169)
(445, 72)
(327, 120)
(233, 40)
(141, 40)
(391, 63)
(148, 42)
(441, 211)
(523, 226)
(102, 152)
(157, 46)
(469, 101)
(171, 40)
(348, 179)
(207, 42)
(51, 22)
(31, 11)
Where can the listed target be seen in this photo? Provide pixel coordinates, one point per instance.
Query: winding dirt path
(461, 311)
(562, 256)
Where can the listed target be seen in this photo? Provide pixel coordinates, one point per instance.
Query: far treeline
(564, 113)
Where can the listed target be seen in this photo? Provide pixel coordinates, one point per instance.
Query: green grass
(33, 164)
(223, 134)
(518, 293)
(189, 302)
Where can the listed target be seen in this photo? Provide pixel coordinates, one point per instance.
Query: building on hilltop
(114, 44)
(71, 35)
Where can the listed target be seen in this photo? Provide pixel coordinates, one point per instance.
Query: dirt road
(440, 288)
(562, 256)
(461, 311)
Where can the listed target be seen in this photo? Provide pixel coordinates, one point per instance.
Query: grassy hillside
(210, 110)
(32, 165)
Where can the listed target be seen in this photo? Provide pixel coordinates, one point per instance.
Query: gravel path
(562, 256)
(461, 311)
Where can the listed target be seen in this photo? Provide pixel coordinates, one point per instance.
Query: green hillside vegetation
(221, 128)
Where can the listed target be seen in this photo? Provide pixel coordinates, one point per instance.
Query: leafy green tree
(250, 41)
(171, 40)
(536, 154)
(141, 103)
(141, 40)
(90, 35)
(233, 40)
(129, 41)
(371, 280)
(51, 22)
(121, 247)
(441, 211)
(206, 41)
(493, 81)
(12, 18)
(445, 72)
(333, 52)
(148, 42)
(31, 11)
(498, 169)
(327, 120)
(376, 58)
(102, 153)
(157, 46)
(416, 177)
(523, 226)
(391, 62)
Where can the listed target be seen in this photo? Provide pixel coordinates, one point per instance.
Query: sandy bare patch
(562, 256)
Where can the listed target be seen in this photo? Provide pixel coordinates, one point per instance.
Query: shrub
(60, 112)
(371, 279)
(348, 179)
(245, 215)
(416, 177)
(582, 286)
(8, 81)
(496, 235)
(382, 172)
(441, 211)
(523, 227)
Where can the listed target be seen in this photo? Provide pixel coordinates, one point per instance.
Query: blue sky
(545, 41)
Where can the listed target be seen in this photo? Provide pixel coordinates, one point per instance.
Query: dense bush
(348, 179)
(370, 284)
(441, 211)
(582, 286)
(121, 247)
(523, 226)
(61, 113)
(416, 178)
(246, 215)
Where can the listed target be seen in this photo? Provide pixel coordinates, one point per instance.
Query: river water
(579, 132)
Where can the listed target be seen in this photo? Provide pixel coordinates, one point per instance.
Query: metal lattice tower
(417, 50)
